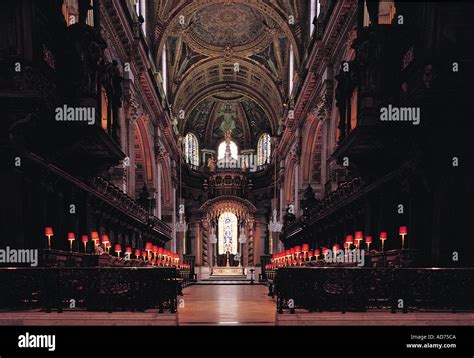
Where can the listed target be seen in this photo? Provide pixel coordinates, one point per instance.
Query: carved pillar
(250, 243)
(204, 238)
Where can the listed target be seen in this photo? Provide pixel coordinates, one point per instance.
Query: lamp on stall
(118, 249)
(383, 237)
(148, 249)
(144, 255)
(95, 238)
(358, 238)
(85, 240)
(402, 232)
(160, 255)
(155, 251)
(305, 249)
(349, 241)
(137, 253)
(288, 256)
(165, 257)
(310, 255)
(48, 231)
(128, 252)
(71, 238)
(368, 241)
(292, 253)
(316, 253)
(297, 251)
(105, 241)
(108, 246)
(324, 251)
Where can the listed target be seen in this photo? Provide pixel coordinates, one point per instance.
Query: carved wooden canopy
(213, 208)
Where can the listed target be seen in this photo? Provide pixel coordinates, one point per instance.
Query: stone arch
(312, 147)
(144, 163)
(166, 184)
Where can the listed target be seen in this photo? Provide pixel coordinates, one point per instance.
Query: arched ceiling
(205, 39)
(205, 119)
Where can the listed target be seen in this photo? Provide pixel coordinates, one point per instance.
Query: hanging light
(274, 225)
(213, 237)
(242, 236)
(181, 225)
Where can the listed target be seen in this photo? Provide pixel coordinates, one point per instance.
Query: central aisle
(226, 305)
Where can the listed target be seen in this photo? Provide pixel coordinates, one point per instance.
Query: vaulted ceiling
(228, 52)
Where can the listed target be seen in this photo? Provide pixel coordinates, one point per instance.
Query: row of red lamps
(152, 253)
(292, 257)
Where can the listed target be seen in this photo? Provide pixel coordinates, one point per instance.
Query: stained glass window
(227, 233)
(191, 149)
(264, 147)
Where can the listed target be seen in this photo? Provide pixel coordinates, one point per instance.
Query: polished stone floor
(226, 305)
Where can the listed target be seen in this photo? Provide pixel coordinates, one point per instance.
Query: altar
(227, 271)
(227, 265)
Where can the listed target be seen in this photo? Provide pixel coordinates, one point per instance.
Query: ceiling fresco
(205, 39)
(228, 25)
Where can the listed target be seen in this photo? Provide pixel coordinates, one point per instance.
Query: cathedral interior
(238, 142)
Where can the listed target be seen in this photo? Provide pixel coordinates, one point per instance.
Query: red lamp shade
(155, 249)
(358, 235)
(70, 236)
(95, 236)
(368, 240)
(310, 254)
(143, 253)
(305, 248)
(292, 251)
(383, 235)
(118, 248)
(128, 250)
(108, 245)
(48, 231)
(85, 238)
(137, 252)
(349, 239)
(148, 246)
(403, 230)
(335, 247)
(160, 251)
(287, 252)
(105, 239)
(297, 249)
(316, 253)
